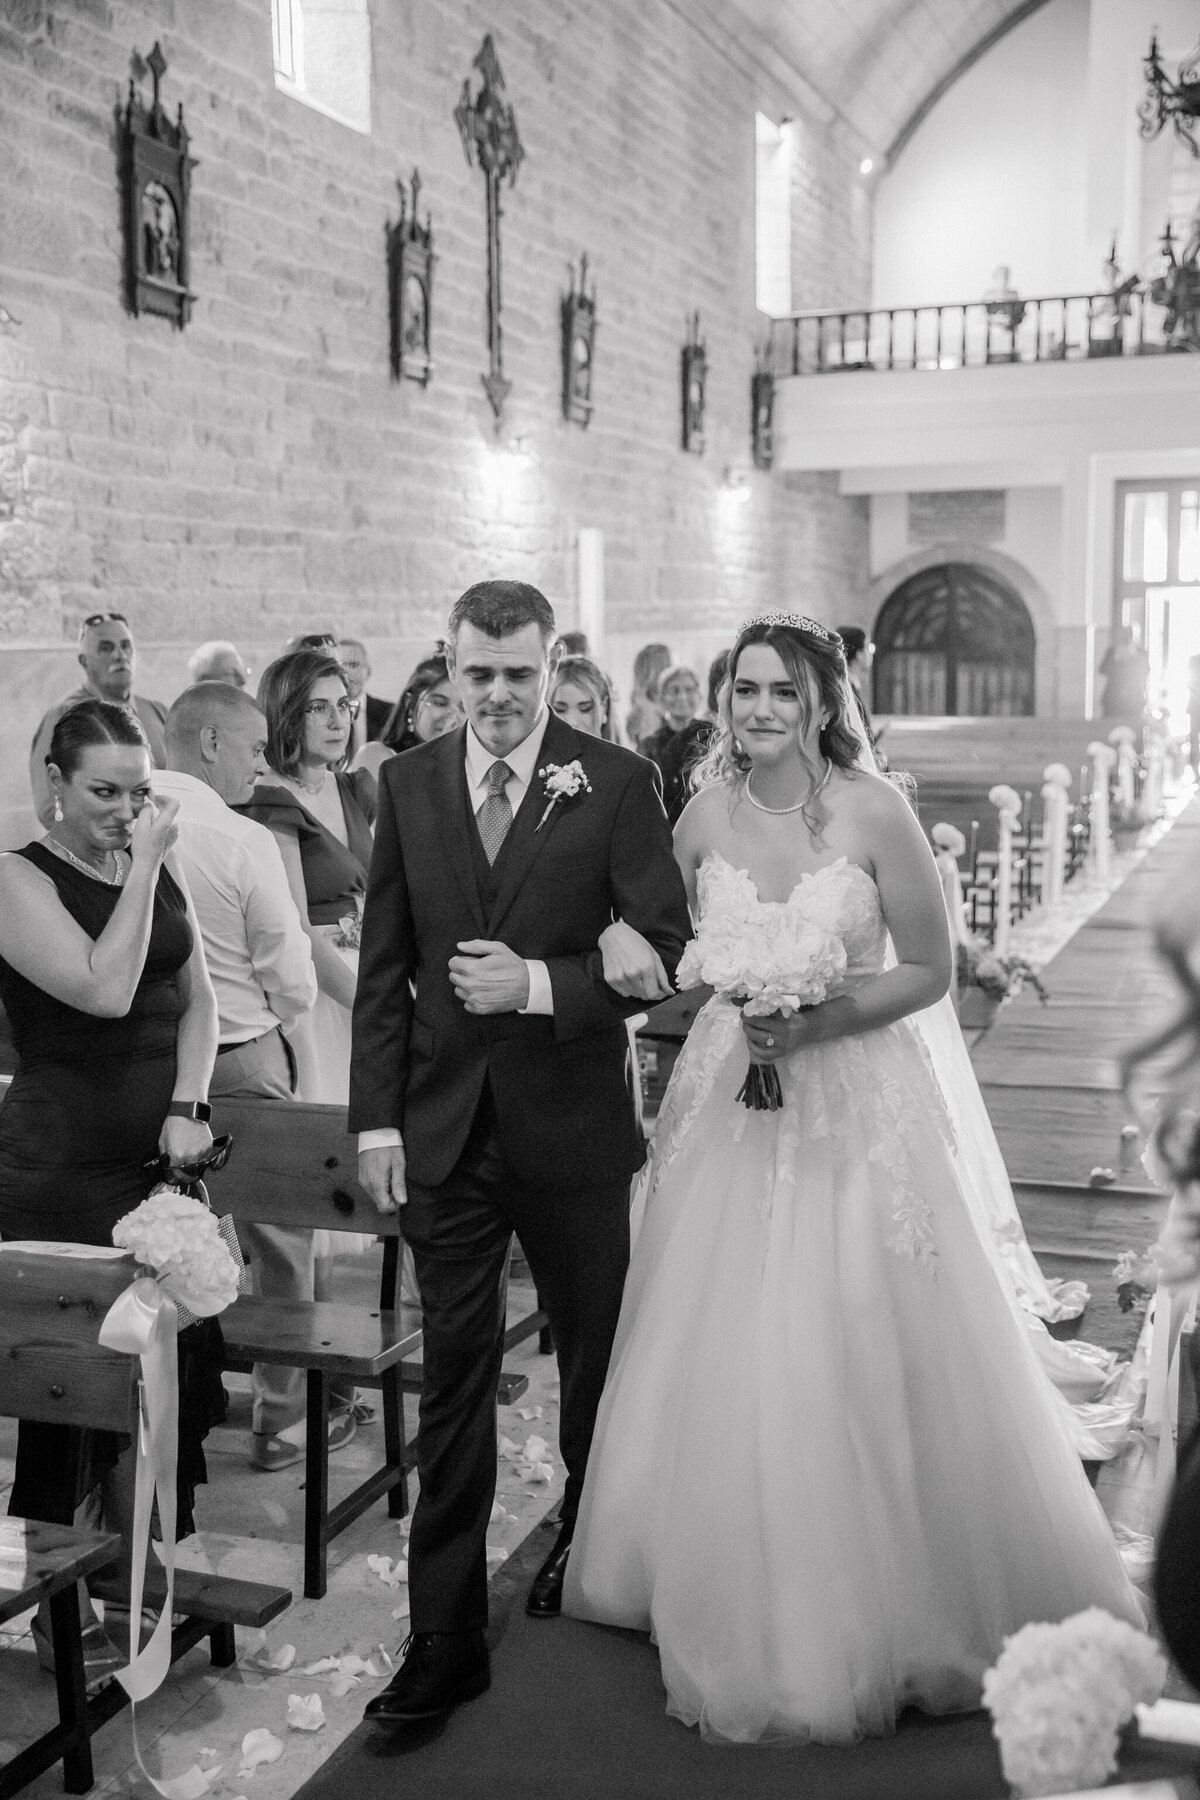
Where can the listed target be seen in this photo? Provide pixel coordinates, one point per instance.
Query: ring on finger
(770, 1042)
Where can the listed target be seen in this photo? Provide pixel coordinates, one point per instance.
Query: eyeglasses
(103, 618)
(332, 709)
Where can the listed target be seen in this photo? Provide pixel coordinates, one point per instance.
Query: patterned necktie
(495, 816)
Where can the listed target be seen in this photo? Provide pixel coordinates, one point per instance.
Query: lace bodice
(842, 897)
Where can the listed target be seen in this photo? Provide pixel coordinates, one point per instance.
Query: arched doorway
(955, 638)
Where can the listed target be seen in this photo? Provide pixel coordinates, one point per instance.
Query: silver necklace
(116, 880)
(307, 785)
(808, 799)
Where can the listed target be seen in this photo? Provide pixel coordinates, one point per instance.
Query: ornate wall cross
(488, 128)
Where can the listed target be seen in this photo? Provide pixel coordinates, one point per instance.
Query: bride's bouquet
(764, 962)
(180, 1240)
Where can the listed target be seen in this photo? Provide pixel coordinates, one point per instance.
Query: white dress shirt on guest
(258, 952)
(523, 762)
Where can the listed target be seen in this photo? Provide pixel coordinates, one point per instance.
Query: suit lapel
(453, 824)
(528, 837)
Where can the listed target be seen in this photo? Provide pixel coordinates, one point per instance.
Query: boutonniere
(563, 781)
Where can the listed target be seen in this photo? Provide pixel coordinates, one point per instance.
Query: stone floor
(252, 1526)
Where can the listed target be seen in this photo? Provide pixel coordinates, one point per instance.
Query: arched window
(955, 638)
(323, 56)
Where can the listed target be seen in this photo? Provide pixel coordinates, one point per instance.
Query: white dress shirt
(523, 762)
(258, 953)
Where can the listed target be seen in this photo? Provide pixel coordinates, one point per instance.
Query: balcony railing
(972, 334)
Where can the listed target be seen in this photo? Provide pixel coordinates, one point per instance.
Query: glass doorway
(1157, 585)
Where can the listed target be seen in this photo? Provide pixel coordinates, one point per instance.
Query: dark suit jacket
(378, 713)
(562, 1084)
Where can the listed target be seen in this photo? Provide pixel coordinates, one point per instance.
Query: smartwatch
(198, 1110)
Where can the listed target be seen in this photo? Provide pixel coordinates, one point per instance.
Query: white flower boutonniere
(563, 781)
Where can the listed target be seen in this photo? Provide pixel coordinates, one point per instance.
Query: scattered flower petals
(406, 1525)
(322, 1666)
(341, 1685)
(259, 1746)
(529, 1412)
(539, 1471)
(374, 1668)
(305, 1712)
(509, 1450)
(382, 1565)
(282, 1659)
(536, 1450)
(1100, 1177)
(400, 1612)
(191, 1785)
(496, 1556)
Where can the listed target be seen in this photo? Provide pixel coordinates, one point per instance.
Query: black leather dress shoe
(545, 1596)
(440, 1669)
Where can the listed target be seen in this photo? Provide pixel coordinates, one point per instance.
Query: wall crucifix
(488, 128)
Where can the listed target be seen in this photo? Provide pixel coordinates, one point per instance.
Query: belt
(244, 1043)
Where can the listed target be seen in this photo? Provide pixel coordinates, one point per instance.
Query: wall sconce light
(1165, 99)
(735, 487)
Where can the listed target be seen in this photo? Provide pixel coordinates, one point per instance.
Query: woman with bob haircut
(581, 693)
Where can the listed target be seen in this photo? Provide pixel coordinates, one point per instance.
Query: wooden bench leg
(316, 1489)
(66, 1636)
(394, 1448)
(222, 1646)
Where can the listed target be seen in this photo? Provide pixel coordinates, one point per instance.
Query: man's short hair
(206, 655)
(499, 608)
(207, 703)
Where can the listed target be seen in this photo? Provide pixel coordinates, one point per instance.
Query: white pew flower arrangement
(1060, 1694)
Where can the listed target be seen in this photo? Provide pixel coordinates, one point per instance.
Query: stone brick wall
(258, 472)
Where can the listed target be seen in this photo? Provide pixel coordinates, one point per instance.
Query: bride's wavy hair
(802, 652)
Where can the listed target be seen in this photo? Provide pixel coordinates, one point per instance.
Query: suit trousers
(280, 1257)
(577, 1247)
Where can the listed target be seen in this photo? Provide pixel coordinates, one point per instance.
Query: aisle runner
(575, 1712)
(1048, 1073)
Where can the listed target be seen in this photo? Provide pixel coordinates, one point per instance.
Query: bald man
(260, 961)
(108, 657)
(218, 660)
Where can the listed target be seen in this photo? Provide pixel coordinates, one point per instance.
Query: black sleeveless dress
(78, 1126)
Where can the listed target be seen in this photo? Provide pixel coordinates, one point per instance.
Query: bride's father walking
(491, 1082)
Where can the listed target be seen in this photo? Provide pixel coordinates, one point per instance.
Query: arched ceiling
(882, 63)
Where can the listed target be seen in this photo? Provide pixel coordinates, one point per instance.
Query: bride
(828, 1473)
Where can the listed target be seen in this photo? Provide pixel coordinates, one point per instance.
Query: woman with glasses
(321, 819)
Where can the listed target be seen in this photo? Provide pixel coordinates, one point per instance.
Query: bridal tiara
(795, 622)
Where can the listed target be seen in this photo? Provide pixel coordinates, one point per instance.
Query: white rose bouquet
(1059, 1695)
(179, 1239)
(766, 962)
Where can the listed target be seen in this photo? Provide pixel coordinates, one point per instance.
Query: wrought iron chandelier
(1178, 101)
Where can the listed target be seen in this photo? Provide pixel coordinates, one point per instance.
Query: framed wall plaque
(156, 177)
(693, 364)
(410, 260)
(578, 347)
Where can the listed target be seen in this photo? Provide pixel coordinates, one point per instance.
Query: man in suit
(491, 1083)
(373, 713)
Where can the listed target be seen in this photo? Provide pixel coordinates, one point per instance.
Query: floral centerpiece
(764, 962)
(180, 1241)
(1059, 1695)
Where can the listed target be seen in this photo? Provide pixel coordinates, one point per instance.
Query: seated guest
(261, 965)
(373, 713)
(860, 658)
(573, 643)
(581, 693)
(103, 978)
(645, 716)
(218, 660)
(682, 739)
(718, 668)
(108, 658)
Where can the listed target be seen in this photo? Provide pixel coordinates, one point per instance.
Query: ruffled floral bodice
(841, 897)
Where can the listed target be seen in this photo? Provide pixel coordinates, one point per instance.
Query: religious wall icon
(488, 128)
(578, 346)
(156, 177)
(410, 261)
(694, 369)
(762, 412)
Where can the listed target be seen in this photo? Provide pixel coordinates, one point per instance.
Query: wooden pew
(52, 1368)
(295, 1164)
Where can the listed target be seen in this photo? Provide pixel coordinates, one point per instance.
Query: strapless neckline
(810, 876)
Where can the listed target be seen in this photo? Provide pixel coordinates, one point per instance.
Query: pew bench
(294, 1164)
(54, 1369)
(44, 1562)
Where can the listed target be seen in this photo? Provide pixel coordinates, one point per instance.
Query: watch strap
(198, 1110)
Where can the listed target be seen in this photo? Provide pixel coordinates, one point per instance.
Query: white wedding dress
(828, 1474)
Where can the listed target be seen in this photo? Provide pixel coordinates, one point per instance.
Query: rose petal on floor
(259, 1746)
(305, 1712)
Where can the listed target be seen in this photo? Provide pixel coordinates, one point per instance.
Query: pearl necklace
(116, 880)
(779, 811)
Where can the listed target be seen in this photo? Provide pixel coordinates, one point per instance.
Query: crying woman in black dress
(103, 978)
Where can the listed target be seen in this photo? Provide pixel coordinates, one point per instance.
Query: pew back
(293, 1164)
(52, 1367)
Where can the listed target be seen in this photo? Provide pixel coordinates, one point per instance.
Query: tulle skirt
(828, 1475)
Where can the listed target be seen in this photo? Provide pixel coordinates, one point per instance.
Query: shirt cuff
(541, 993)
(385, 1137)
